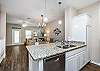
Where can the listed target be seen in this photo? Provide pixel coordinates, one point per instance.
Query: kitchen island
(38, 54)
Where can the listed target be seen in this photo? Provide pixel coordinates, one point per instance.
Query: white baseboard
(95, 63)
(14, 44)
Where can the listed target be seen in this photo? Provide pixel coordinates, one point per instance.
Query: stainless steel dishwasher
(55, 63)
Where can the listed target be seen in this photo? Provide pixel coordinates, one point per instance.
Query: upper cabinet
(69, 14)
(75, 25)
(78, 28)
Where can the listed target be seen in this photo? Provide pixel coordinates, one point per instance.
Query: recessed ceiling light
(45, 19)
(24, 25)
(60, 22)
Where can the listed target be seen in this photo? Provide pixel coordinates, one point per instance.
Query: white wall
(2, 32)
(2, 23)
(93, 30)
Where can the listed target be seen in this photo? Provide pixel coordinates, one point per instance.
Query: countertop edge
(37, 59)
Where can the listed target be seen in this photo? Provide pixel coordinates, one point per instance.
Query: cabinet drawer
(73, 52)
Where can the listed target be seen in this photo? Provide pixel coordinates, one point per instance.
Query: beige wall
(52, 26)
(93, 30)
(9, 32)
(2, 23)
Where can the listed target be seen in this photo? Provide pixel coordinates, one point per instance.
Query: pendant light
(42, 21)
(42, 24)
(45, 12)
(44, 18)
(59, 21)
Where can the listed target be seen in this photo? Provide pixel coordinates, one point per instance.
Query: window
(28, 34)
(15, 36)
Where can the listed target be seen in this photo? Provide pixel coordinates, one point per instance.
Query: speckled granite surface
(45, 50)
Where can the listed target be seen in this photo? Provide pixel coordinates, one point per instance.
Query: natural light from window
(15, 36)
(28, 34)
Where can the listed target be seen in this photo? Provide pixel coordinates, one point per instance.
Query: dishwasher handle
(54, 58)
(57, 60)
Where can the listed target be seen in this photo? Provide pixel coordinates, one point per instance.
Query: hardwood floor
(17, 60)
(91, 67)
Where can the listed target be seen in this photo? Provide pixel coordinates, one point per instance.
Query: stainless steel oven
(55, 63)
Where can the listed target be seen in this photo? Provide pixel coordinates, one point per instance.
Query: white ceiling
(22, 9)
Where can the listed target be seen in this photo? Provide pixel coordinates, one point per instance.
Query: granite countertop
(46, 50)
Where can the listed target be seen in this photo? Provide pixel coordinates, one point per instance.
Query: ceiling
(18, 10)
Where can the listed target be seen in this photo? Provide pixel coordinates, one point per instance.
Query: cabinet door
(77, 61)
(33, 65)
(82, 59)
(78, 28)
(71, 64)
(87, 59)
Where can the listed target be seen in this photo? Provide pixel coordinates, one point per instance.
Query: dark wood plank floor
(17, 60)
(91, 67)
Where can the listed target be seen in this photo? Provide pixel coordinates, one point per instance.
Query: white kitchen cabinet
(71, 63)
(76, 29)
(87, 57)
(35, 65)
(81, 59)
(2, 49)
(76, 59)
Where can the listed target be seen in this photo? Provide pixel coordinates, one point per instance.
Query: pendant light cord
(42, 19)
(59, 5)
(45, 7)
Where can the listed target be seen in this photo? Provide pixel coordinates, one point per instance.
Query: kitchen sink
(66, 46)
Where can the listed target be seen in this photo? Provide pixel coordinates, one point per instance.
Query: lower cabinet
(2, 50)
(76, 59)
(35, 65)
(71, 64)
(81, 59)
